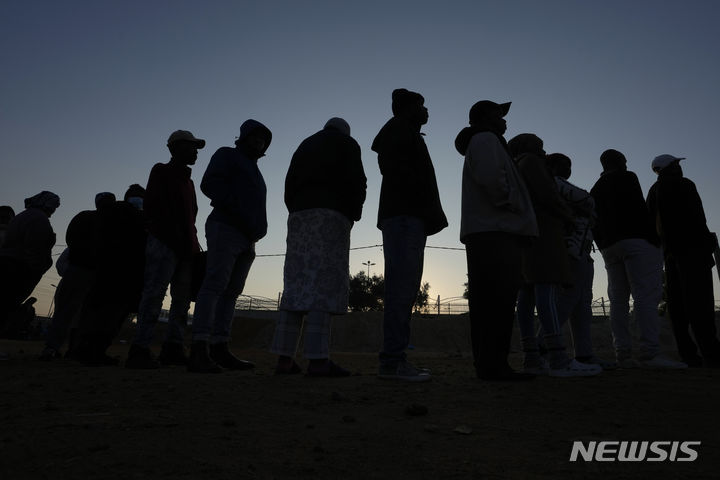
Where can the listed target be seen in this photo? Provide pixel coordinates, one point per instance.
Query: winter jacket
(81, 238)
(30, 239)
(675, 205)
(326, 172)
(621, 210)
(409, 186)
(494, 196)
(546, 261)
(578, 241)
(170, 208)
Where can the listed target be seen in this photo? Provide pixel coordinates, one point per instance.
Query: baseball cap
(180, 135)
(662, 161)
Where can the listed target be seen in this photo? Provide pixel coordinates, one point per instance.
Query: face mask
(136, 202)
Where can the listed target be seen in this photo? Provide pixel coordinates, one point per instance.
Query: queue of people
(528, 233)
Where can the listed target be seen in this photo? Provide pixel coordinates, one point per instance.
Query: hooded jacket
(409, 186)
(326, 172)
(236, 188)
(494, 196)
(30, 239)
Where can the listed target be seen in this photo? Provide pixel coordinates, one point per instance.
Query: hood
(250, 126)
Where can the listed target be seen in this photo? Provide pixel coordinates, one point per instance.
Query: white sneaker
(659, 361)
(576, 369)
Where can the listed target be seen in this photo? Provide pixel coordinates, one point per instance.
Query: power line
(364, 248)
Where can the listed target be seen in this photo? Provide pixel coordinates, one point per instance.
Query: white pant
(634, 266)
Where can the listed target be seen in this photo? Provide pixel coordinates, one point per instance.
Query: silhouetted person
(324, 193)
(170, 209)
(26, 253)
(497, 218)
(574, 301)
(135, 196)
(688, 245)
(78, 276)
(545, 267)
(627, 240)
(409, 212)
(118, 285)
(237, 192)
(6, 216)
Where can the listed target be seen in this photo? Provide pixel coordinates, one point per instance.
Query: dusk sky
(91, 90)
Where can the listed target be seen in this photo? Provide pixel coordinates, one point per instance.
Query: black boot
(140, 358)
(220, 352)
(200, 361)
(172, 354)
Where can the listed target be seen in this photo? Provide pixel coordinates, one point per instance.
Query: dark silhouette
(26, 253)
(118, 283)
(627, 240)
(546, 266)
(170, 209)
(409, 212)
(6, 216)
(688, 246)
(574, 302)
(497, 218)
(237, 193)
(77, 277)
(324, 194)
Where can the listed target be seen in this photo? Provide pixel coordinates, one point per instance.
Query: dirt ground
(62, 420)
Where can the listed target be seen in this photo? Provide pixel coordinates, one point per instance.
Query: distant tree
(423, 296)
(366, 293)
(465, 293)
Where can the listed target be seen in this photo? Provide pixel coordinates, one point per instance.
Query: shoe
(172, 354)
(221, 354)
(141, 358)
(604, 364)
(628, 363)
(576, 369)
(48, 354)
(542, 367)
(287, 368)
(200, 361)
(326, 369)
(404, 371)
(659, 361)
(508, 375)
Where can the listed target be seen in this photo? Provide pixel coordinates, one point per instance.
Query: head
(490, 114)
(409, 105)
(663, 164)
(337, 123)
(6, 214)
(559, 164)
(612, 160)
(254, 139)
(135, 195)
(184, 147)
(46, 201)
(103, 200)
(526, 143)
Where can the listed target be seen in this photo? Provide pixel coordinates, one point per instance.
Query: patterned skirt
(316, 273)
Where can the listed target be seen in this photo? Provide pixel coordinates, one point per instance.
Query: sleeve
(488, 165)
(357, 182)
(216, 184)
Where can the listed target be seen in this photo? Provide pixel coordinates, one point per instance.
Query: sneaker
(659, 361)
(141, 358)
(576, 369)
(405, 371)
(542, 367)
(605, 364)
(628, 363)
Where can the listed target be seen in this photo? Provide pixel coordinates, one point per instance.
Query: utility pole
(368, 263)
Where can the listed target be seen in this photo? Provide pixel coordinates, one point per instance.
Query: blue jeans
(575, 304)
(163, 268)
(229, 258)
(404, 248)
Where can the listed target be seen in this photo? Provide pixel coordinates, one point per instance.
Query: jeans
(404, 249)
(574, 304)
(163, 268)
(316, 341)
(634, 266)
(229, 258)
(494, 278)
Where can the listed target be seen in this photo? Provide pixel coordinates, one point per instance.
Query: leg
(317, 336)
(676, 309)
(643, 264)
(287, 334)
(581, 316)
(180, 287)
(696, 274)
(619, 295)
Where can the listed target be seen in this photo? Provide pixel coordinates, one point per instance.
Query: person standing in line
(629, 245)
(170, 209)
(497, 221)
(409, 212)
(546, 266)
(688, 246)
(574, 302)
(237, 192)
(324, 193)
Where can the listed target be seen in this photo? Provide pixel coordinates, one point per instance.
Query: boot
(172, 354)
(140, 358)
(220, 352)
(200, 361)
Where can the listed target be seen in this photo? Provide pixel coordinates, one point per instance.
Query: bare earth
(62, 420)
